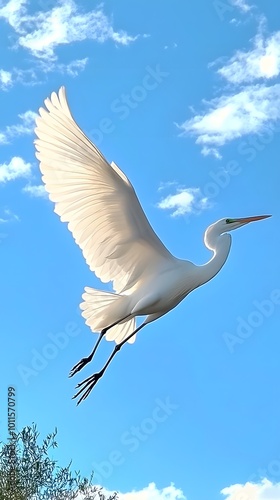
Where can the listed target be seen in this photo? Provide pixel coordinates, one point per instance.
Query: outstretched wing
(95, 198)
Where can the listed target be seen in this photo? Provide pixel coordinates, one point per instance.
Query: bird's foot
(87, 385)
(76, 368)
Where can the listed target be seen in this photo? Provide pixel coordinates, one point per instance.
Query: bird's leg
(88, 384)
(84, 361)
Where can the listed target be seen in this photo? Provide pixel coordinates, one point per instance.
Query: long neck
(220, 246)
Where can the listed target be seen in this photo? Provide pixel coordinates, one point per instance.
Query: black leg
(84, 361)
(88, 384)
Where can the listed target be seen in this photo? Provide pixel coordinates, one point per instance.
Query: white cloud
(251, 491)
(18, 75)
(25, 126)
(153, 493)
(211, 151)
(264, 490)
(185, 201)
(36, 191)
(41, 32)
(250, 111)
(8, 216)
(73, 68)
(5, 79)
(16, 169)
(12, 12)
(30, 76)
(263, 61)
(241, 5)
(250, 105)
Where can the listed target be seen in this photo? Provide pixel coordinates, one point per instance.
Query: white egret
(119, 245)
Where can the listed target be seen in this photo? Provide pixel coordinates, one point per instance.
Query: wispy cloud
(166, 185)
(24, 127)
(263, 61)
(36, 75)
(5, 79)
(36, 191)
(18, 75)
(8, 216)
(250, 106)
(265, 490)
(2, 138)
(17, 168)
(241, 5)
(74, 68)
(184, 201)
(42, 32)
(211, 151)
(251, 110)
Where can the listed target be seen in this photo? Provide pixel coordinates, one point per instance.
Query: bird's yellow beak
(246, 220)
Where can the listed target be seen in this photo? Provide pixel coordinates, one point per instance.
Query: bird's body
(119, 245)
(162, 289)
(156, 292)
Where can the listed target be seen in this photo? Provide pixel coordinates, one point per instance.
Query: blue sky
(185, 98)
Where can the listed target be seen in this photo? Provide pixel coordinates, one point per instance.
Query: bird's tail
(102, 309)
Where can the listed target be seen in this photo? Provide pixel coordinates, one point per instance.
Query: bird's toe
(78, 366)
(86, 386)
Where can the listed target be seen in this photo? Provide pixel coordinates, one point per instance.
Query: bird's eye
(227, 221)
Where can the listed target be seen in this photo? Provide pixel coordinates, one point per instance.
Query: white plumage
(106, 219)
(102, 211)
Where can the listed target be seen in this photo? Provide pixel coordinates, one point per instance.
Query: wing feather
(95, 198)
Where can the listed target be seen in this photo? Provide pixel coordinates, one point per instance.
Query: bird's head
(225, 225)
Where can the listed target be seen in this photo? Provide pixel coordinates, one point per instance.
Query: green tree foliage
(28, 473)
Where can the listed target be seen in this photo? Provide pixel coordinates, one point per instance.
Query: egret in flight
(102, 210)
